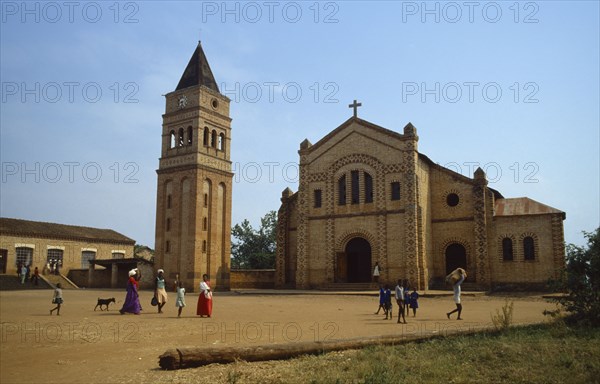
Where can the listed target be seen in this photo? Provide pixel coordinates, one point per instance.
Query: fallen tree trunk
(179, 358)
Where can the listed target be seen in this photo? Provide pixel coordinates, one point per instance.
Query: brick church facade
(367, 195)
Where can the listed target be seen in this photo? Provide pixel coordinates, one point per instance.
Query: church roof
(345, 124)
(523, 206)
(198, 72)
(27, 228)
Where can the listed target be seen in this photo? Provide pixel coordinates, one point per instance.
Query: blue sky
(512, 87)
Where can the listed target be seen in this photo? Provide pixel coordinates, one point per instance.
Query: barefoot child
(388, 302)
(400, 301)
(57, 299)
(414, 302)
(180, 301)
(381, 300)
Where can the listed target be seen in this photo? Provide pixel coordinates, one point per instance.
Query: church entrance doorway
(456, 257)
(358, 261)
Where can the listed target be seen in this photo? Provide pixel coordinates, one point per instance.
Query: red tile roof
(523, 206)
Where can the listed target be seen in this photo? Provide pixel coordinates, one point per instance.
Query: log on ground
(190, 357)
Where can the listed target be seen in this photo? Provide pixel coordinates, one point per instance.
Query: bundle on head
(455, 275)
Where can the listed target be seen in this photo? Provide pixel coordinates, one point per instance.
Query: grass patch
(547, 353)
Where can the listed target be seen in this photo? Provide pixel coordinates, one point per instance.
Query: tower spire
(198, 72)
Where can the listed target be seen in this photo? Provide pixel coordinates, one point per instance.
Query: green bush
(581, 281)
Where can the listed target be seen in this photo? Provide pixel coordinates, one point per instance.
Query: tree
(582, 280)
(253, 249)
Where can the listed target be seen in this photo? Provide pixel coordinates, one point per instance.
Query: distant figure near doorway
(376, 272)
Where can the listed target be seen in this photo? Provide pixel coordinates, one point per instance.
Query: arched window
(221, 143)
(368, 188)
(205, 224)
(205, 138)
(167, 246)
(528, 248)
(342, 190)
(204, 246)
(172, 139)
(180, 138)
(354, 187)
(213, 139)
(507, 249)
(190, 135)
(168, 225)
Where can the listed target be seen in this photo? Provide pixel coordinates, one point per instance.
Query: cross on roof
(355, 105)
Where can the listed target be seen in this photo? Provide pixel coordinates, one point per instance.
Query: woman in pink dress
(204, 307)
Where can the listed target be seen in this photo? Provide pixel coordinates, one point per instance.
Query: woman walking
(132, 299)
(204, 307)
(159, 290)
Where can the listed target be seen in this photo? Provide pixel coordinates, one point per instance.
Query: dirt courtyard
(81, 345)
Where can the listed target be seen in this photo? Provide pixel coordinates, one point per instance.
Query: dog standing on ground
(102, 302)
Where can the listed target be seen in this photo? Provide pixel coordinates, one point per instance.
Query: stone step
(350, 287)
(65, 283)
(13, 283)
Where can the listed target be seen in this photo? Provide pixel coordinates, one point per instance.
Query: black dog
(102, 302)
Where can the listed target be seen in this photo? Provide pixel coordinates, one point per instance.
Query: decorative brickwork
(408, 228)
(558, 245)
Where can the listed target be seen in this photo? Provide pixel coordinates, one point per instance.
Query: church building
(193, 205)
(366, 195)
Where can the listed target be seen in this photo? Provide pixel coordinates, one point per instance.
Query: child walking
(406, 296)
(381, 300)
(180, 301)
(388, 302)
(400, 301)
(57, 299)
(414, 302)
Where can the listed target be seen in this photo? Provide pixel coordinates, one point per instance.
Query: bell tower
(193, 204)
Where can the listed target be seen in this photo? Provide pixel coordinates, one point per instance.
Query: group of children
(404, 298)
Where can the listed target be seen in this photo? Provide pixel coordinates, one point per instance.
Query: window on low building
(24, 256)
(86, 256)
(55, 255)
(118, 255)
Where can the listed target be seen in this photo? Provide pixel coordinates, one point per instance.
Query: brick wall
(253, 278)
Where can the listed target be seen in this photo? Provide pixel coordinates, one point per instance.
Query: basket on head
(455, 275)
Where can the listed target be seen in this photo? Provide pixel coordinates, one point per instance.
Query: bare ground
(81, 345)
